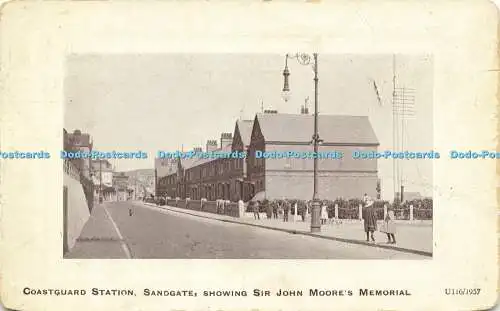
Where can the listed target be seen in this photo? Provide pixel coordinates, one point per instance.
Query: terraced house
(278, 178)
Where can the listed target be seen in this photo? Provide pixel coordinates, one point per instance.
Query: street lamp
(305, 59)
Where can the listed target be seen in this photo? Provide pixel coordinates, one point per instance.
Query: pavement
(166, 232)
(412, 237)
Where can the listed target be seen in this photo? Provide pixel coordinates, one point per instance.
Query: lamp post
(305, 59)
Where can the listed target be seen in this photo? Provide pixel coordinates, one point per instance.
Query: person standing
(303, 210)
(295, 210)
(365, 198)
(324, 213)
(286, 210)
(256, 207)
(222, 203)
(281, 209)
(269, 209)
(275, 209)
(369, 220)
(390, 226)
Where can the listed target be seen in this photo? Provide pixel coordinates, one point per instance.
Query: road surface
(151, 232)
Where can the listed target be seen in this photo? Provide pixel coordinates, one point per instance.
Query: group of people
(370, 222)
(221, 204)
(280, 208)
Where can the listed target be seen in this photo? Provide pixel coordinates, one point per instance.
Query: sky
(154, 102)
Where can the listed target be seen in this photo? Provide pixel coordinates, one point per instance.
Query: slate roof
(192, 162)
(245, 127)
(335, 129)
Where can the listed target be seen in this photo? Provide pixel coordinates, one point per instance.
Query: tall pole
(315, 215)
(402, 142)
(304, 59)
(100, 181)
(156, 183)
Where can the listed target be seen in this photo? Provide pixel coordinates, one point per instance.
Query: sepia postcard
(252, 155)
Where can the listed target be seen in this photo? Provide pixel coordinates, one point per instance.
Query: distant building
(233, 178)
(290, 177)
(198, 178)
(78, 141)
(121, 185)
(102, 172)
(168, 185)
(209, 177)
(102, 178)
(240, 187)
(141, 182)
(163, 167)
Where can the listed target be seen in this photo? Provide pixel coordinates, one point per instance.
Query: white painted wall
(78, 211)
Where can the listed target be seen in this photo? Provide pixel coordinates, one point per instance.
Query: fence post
(411, 212)
(336, 211)
(360, 216)
(385, 211)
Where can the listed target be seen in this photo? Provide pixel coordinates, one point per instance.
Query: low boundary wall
(230, 209)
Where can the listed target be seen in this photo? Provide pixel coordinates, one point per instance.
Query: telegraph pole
(100, 181)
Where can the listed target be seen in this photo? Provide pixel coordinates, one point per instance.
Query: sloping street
(149, 232)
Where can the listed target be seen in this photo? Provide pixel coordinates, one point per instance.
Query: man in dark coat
(286, 210)
(269, 208)
(302, 210)
(275, 209)
(369, 220)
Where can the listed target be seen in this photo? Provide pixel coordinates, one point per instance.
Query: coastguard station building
(280, 177)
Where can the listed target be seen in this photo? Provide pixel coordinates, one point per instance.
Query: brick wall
(299, 185)
(347, 163)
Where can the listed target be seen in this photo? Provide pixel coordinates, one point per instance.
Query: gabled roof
(334, 129)
(245, 128)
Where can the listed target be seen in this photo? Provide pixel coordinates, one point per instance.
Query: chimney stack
(270, 111)
(211, 145)
(226, 139)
